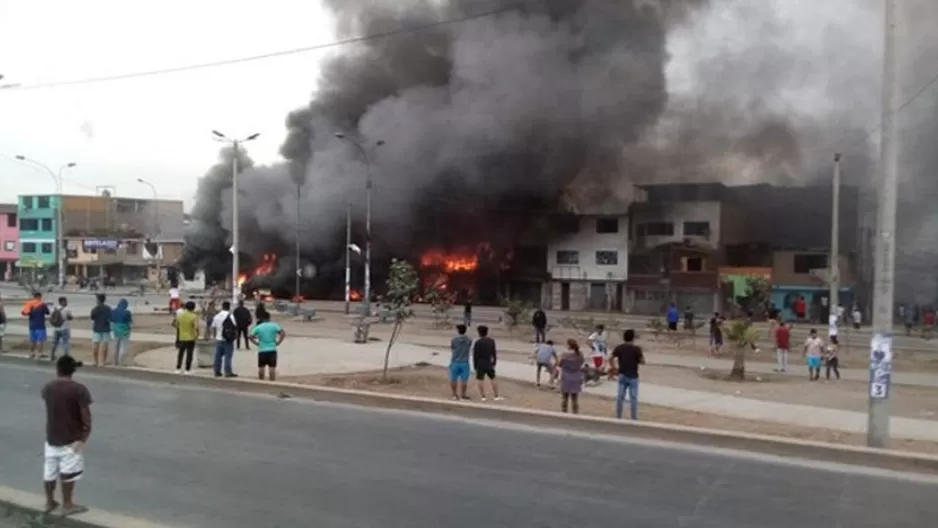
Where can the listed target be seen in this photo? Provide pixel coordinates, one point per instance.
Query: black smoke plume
(492, 122)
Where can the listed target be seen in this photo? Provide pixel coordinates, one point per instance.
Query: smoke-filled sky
(504, 112)
(514, 108)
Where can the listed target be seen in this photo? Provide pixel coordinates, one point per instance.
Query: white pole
(235, 265)
(884, 279)
(296, 294)
(60, 252)
(368, 236)
(348, 256)
(834, 294)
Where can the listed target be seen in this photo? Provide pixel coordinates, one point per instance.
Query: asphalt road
(217, 459)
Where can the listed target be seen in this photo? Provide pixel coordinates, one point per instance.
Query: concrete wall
(582, 296)
(84, 215)
(586, 242)
(783, 270)
(677, 213)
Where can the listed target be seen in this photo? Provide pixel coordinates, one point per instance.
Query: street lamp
(60, 253)
(368, 193)
(235, 247)
(156, 227)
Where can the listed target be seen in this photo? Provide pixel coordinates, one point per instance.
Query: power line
(264, 56)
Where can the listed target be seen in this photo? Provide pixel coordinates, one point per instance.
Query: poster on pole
(880, 366)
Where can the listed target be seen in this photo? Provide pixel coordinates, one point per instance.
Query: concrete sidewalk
(309, 356)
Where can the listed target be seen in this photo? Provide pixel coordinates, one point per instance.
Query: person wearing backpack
(226, 333)
(61, 329)
(122, 320)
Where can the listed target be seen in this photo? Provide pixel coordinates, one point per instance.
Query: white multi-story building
(588, 262)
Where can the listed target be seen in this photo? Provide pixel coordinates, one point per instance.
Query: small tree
(655, 326)
(402, 286)
(441, 302)
(758, 297)
(515, 313)
(742, 336)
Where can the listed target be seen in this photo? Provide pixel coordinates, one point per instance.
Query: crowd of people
(228, 329)
(108, 325)
(568, 371)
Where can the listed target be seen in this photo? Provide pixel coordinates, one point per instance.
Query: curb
(770, 445)
(22, 507)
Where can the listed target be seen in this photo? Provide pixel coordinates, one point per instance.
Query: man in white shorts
(68, 426)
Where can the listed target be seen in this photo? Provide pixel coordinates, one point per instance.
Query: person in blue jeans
(627, 357)
(459, 368)
(60, 319)
(225, 330)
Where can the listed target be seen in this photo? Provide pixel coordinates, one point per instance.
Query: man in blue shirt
(459, 367)
(673, 316)
(267, 335)
(36, 311)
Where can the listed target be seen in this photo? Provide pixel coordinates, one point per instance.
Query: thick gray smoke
(558, 104)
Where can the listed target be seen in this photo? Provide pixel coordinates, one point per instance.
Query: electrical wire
(264, 56)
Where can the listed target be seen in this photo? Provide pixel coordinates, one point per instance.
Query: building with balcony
(125, 239)
(675, 246)
(9, 240)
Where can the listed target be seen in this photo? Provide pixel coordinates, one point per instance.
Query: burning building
(478, 125)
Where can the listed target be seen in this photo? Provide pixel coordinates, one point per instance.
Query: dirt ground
(430, 382)
(905, 400)
(80, 348)
(425, 332)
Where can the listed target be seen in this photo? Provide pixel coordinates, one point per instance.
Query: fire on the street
(355, 295)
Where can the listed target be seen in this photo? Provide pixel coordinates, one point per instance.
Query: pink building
(9, 240)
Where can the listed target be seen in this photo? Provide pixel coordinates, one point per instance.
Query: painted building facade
(9, 240)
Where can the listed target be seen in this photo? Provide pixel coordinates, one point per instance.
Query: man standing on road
(467, 313)
(68, 426)
(36, 311)
(673, 316)
(782, 346)
(484, 359)
(813, 350)
(716, 334)
(539, 321)
(122, 322)
(187, 333)
(3, 323)
(545, 356)
(100, 330)
(267, 335)
(627, 357)
(460, 348)
(226, 333)
(242, 318)
(61, 328)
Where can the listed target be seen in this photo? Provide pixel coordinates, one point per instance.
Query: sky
(156, 128)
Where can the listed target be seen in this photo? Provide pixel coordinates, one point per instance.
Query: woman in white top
(599, 342)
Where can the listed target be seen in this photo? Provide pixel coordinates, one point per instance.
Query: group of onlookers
(227, 328)
(571, 368)
(107, 325)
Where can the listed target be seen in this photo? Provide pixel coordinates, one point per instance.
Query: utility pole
(833, 299)
(348, 256)
(235, 263)
(299, 271)
(235, 243)
(368, 196)
(884, 278)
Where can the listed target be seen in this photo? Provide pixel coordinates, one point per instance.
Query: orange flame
(355, 295)
(267, 266)
(449, 262)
